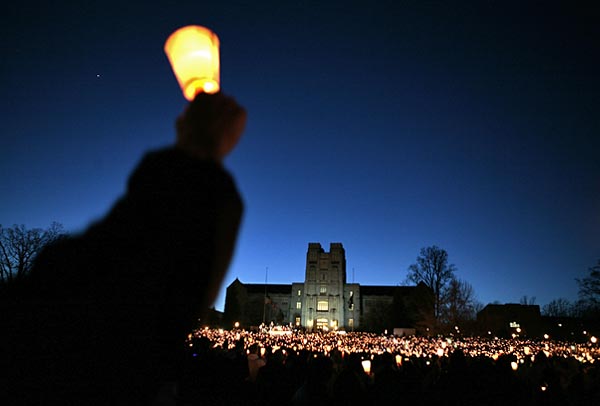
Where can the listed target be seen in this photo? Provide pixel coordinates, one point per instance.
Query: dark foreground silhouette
(220, 376)
(103, 316)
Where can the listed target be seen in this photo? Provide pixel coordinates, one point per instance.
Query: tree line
(587, 304)
(20, 245)
(454, 301)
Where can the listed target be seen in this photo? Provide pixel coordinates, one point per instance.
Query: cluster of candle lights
(403, 348)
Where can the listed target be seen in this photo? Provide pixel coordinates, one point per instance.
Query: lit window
(322, 306)
(298, 305)
(299, 292)
(297, 321)
(351, 322)
(323, 290)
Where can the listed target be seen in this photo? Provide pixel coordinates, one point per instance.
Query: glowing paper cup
(193, 52)
(366, 364)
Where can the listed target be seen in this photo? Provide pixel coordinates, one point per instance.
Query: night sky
(386, 127)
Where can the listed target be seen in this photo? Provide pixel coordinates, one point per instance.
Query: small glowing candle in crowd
(440, 352)
(399, 360)
(546, 336)
(526, 350)
(514, 366)
(593, 339)
(366, 364)
(262, 351)
(237, 324)
(193, 52)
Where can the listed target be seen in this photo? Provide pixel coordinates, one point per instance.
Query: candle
(193, 52)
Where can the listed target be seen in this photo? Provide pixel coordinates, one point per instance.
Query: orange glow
(193, 52)
(367, 366)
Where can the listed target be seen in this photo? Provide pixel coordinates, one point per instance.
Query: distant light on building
(593, 339)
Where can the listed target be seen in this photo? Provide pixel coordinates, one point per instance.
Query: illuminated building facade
(325, 301)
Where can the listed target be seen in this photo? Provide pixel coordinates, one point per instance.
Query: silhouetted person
(103, 316)
(315, 389)
(255, 362)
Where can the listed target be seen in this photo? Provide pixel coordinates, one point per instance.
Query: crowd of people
(282, 367)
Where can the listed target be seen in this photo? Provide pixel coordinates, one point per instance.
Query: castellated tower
(323, 296)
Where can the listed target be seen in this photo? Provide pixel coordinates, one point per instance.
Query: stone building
(325, 301)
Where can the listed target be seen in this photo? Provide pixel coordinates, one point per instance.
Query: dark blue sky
(386, 127)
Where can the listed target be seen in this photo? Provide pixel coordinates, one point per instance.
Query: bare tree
(589, 287)
(527, 301)
(459, 301)
(558, 308)
(19, 247)
(432, 268)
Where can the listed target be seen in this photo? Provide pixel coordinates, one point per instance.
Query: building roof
(385, 290)
(365, 290)
(271, 288)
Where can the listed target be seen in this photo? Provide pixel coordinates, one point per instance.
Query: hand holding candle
(210, 126)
